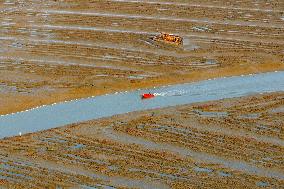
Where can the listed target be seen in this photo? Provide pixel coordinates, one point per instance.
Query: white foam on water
(172, 93)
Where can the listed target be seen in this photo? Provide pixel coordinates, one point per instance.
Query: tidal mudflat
(52, 51)
(55, 51)
(232, 143)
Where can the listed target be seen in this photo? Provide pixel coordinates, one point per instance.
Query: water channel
(51, 116)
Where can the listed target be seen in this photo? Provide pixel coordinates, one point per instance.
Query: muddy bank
(53, 51)
(17, 101)
(230, 143)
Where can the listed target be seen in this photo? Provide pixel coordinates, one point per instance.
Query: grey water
(60, 114)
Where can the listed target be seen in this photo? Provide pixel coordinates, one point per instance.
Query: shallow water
(262, 184)
(60, 114)
(210, 114)
(201, 169)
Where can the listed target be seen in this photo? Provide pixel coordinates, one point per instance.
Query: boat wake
(173, 93)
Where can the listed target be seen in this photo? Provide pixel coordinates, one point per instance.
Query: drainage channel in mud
(200, 156)
(60, 114)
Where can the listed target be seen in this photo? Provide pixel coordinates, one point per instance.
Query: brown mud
(53, 51)
(232, 143)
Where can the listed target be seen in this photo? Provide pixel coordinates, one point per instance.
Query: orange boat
(147, 95)
(171, 38)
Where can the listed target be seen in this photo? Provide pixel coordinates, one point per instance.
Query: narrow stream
(60, 114)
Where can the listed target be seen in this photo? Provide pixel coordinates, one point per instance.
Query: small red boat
(147, 95)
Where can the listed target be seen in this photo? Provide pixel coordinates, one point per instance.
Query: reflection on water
(201, 169)
(262, 184)
(224, 174)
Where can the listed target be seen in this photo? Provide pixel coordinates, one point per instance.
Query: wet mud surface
(52, 51)
(231, 143)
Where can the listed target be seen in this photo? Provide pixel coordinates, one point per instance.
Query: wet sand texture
(233, 143)
(52, 51)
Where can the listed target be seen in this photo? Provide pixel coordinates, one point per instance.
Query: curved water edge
(51, 116)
